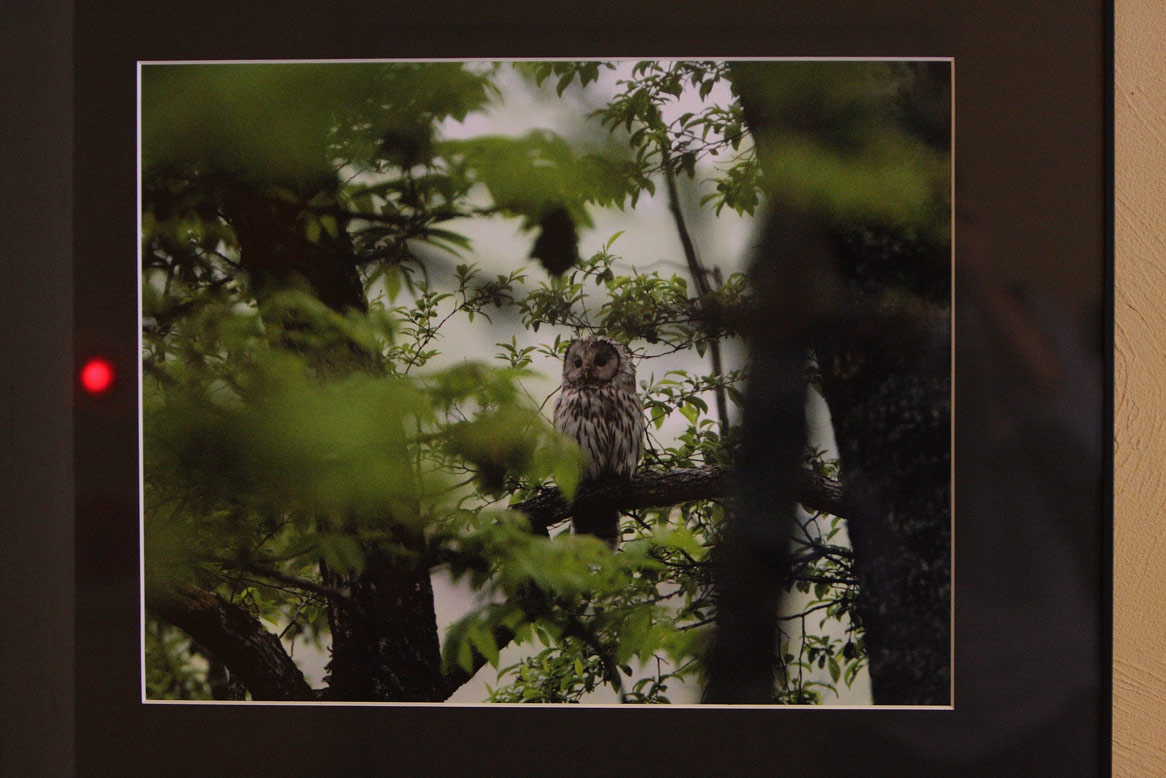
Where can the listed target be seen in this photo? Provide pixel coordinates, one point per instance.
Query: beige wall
(1139, 625)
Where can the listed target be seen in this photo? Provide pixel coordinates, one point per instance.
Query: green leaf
(446, 236)
(483, 640)
(635, 629)
(328, 222)
(312, 229)
(465, 656)
(567, 474)
(392, 278)
(341, 552)
(564, 82)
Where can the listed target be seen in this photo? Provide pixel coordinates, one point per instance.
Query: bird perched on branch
(599, 409)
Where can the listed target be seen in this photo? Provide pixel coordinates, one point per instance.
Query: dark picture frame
(1033, 165)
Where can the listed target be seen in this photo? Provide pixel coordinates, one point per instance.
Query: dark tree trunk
(385, 644)
(277, 255)
(892, 422)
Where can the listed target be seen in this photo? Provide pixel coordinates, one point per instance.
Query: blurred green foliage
(271, 123)
(251, 457)
(849, 141)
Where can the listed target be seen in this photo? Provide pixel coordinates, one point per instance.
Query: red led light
(97, 375)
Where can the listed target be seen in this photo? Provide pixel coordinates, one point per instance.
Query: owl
(598, 408)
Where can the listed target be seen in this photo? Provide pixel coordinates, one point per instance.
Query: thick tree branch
(253, 655)
(671, 487)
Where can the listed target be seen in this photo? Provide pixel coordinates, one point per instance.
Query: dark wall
(36, 444)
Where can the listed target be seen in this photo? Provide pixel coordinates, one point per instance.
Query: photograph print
(568, 382)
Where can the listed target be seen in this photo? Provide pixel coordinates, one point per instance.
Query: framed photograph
(447, 383)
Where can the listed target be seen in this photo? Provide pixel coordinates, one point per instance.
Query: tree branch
(295, 582)
(239, 641)
(671, 487)
(700, 278)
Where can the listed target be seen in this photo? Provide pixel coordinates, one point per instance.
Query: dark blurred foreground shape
(854, 270)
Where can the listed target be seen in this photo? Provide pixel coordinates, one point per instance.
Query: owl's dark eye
(600, 361)
(578, 362)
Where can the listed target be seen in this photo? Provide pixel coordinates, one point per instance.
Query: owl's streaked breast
(607, 423)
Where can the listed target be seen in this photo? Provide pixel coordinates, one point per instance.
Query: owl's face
(592, 361)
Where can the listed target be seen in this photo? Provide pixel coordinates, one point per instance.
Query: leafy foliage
(173, 672)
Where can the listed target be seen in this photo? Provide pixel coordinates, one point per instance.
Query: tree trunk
(384, 637)
(386, 647)
(892, 422)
